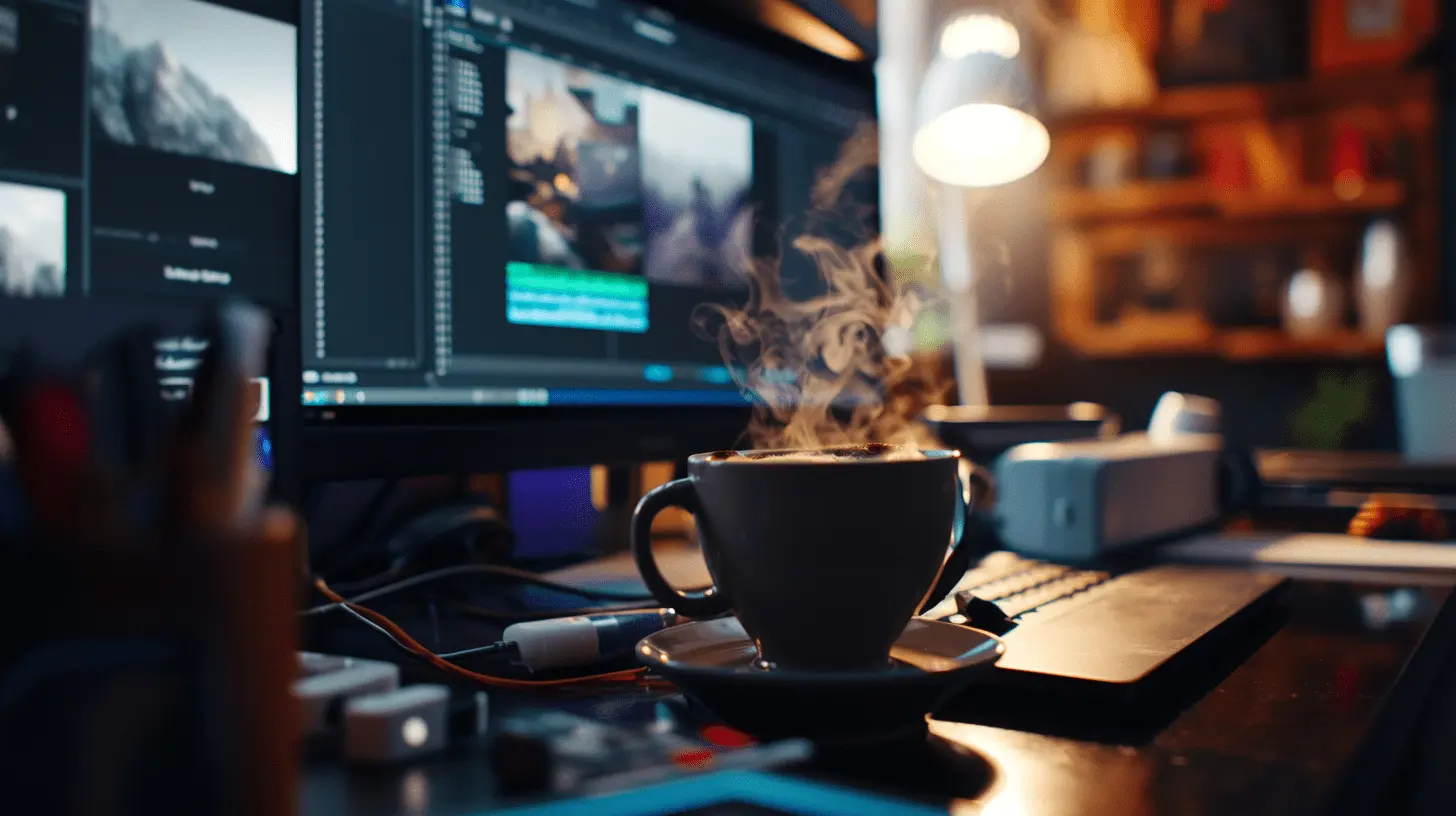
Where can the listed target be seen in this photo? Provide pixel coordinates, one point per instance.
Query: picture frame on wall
(1350, 35)
(1218, 41)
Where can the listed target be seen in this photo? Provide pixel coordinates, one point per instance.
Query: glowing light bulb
(980, 34)
(414, 731)
(981, 145)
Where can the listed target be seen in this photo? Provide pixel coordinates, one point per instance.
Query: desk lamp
(975, 129)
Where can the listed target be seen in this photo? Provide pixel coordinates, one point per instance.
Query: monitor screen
(148, 166)
(512, 203)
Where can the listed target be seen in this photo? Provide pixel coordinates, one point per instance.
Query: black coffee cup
(824, 556)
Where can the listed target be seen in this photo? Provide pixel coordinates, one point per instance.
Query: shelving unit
(1309, 201)
(1139, 199)
(1160, 199)
(1260, 344)
(1265, 101)
(1234, 345)
(1294, 204)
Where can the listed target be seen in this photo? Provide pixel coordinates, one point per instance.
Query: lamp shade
(975, 125)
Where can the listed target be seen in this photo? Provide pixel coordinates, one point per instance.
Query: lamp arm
(957, 271)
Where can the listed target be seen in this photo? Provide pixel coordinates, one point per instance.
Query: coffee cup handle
(974, 534)
(707, 603)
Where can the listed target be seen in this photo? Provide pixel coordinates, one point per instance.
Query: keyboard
(1084, 630)
(1019, 588)
(1067, 630)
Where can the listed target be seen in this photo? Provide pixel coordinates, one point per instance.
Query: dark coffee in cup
(875, 452)
(823, 555)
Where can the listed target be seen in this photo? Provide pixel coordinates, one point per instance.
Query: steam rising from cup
(833, 369)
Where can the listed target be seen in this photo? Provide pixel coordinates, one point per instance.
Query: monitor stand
(614, 528)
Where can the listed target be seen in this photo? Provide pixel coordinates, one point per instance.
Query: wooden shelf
(1260, 100)
(1136, 200)
(1264, 344)
(1239, 345)
(1139, 333)
(1143, 200)
(1314, 201)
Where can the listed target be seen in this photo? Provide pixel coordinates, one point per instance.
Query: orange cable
(628, 675)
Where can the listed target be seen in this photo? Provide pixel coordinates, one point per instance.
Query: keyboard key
(1051, 592)
(1021, 582)
(1061, 605)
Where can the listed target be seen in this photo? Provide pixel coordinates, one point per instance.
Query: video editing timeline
(148, 163)
(548, 191)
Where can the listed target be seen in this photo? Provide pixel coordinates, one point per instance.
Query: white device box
(336, 680)
(1076, 501)
(396, 725)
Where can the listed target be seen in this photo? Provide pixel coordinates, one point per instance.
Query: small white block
(482, 712)
(311, 663)
(396, 725)
(318, 692)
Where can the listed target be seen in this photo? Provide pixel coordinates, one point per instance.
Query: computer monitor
(511, 210)
(148, 166)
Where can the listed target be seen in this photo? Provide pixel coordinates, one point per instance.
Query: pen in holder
(154, 648)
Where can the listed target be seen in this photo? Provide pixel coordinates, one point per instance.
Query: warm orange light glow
(1349, 185)
(599, 488)
(565, 185)
(788, 19)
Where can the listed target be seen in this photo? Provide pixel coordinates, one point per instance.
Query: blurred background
(1240, 198)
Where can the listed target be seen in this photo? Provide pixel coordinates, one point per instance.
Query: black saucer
(714, 663)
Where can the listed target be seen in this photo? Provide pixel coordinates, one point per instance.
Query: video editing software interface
(523, 203)
(148, 155)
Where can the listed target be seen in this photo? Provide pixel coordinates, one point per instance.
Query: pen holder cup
(157, 663)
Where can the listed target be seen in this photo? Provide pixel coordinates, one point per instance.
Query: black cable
(363, 523)
(519, 575)
(398, 644)
(494, 648)
(381, 623)
(371, 583)
(502, 616)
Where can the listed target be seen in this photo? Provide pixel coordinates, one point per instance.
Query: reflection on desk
(1314, 721)
(1313, 550)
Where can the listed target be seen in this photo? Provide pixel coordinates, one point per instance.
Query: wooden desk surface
(1315, 716)
(1315, 720)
